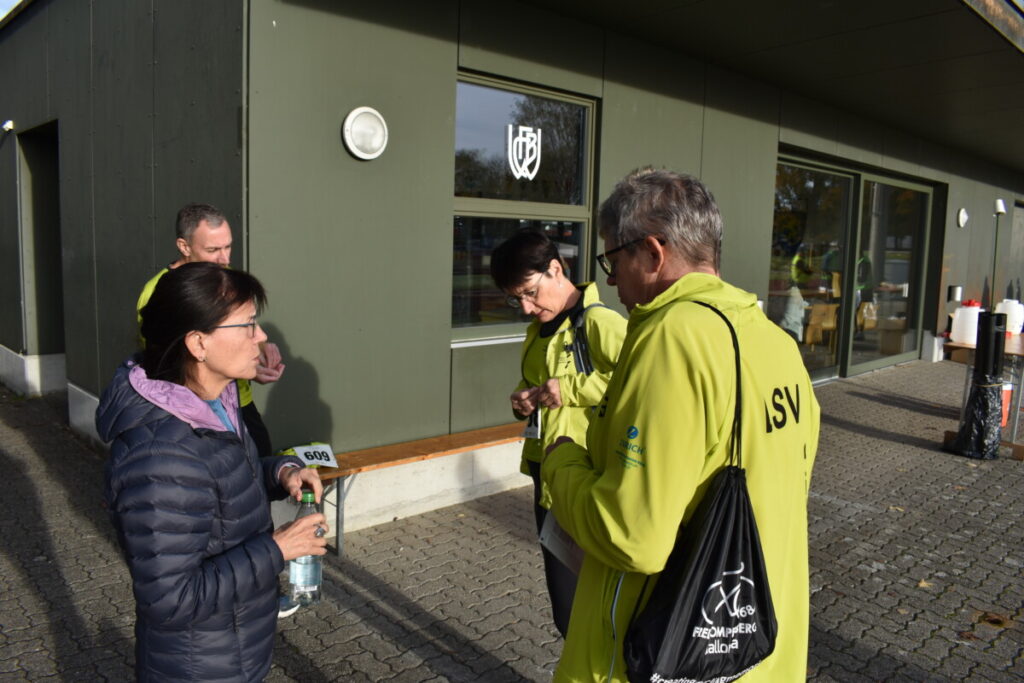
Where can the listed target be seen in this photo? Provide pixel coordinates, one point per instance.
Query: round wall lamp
(365, 133)
(961, 218)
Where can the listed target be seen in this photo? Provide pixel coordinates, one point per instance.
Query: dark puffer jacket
(189, 501)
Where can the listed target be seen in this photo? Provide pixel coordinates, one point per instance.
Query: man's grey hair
(673, 206)
(191, 215)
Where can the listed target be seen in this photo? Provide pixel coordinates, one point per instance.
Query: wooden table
(1014, 348)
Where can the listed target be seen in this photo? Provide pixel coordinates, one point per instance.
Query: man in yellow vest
(662, 430)
(203, 234)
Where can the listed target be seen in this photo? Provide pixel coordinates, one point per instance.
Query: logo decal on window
(524, 152)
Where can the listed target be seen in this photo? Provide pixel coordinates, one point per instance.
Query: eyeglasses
(251, 326)
(516, 301)
(606, 265)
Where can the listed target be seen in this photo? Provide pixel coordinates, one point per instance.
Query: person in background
(204, 236)
(800, 270)
(662, 430)
(557, 392)
(186, 490)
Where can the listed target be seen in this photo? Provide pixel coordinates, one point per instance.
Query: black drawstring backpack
(710, 614)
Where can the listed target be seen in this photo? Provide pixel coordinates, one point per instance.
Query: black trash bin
(980, 432)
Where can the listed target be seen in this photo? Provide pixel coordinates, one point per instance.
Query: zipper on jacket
(615, 635)
(231, 436)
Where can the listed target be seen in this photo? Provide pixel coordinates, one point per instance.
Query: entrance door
(850, 297)
(41, 241)
(889, 273)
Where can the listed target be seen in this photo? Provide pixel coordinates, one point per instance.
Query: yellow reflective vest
(658, 437)
(580, 392)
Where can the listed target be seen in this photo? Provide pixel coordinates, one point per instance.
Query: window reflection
(809, 230)
(475, 299)
(892, 220)
(482, 159)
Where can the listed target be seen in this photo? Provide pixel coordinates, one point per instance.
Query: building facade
(857, 154)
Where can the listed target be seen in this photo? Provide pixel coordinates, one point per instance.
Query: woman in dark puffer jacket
(186, 491)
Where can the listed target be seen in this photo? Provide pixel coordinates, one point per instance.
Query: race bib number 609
(320, 454)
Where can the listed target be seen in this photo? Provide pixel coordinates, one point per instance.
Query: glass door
(810, 231)
(888, 273)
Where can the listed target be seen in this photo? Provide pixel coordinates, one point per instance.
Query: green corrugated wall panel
(740, 143)
(483, 377)
(356, 255)
(529, 44)
(69, 79)
(122, 160)
(652, 113)
(807, 123)
(197, 124)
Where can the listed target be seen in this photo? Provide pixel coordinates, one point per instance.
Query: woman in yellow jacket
(570, 350)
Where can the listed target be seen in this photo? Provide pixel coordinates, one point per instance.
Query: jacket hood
(132, 399)
(704, 287)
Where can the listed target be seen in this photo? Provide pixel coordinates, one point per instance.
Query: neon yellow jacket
(605, 330)
(652, 448)
(244, 387)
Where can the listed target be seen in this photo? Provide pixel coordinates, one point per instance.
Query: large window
(847, 266)
(810, 228)
(522, 162)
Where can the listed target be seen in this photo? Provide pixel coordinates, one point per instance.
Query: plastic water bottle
(306, 573)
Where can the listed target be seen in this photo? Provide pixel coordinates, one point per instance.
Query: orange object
(1007, 396)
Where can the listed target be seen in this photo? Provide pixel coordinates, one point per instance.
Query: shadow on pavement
(910, 403)
(865, 431)
(832, 657)
(441, 648)
(58, 536)
(33, 548)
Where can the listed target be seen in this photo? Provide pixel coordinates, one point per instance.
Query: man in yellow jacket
(204, 235)
(662, 430)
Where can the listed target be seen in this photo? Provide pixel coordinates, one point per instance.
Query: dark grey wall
(147, 97)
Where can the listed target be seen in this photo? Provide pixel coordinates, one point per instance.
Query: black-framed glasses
(251, 326)
(516, 301)
(606, 265)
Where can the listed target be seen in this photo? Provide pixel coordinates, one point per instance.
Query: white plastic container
(1014, 311)
(965, 325)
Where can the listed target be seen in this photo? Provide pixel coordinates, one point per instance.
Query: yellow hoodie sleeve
(654, 450)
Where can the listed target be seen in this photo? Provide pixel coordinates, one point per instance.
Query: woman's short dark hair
(525, 252)
(191, 297)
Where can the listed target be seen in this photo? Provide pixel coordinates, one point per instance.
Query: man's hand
(525, 402)
(270, 367)
(550, 394)
(556, 443)
(293, 479)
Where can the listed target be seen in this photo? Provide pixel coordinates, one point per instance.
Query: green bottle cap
(308, 496)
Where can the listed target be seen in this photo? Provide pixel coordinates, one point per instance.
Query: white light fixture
(1000, 211)
(365, 133)
(961, 218)
(8, 126)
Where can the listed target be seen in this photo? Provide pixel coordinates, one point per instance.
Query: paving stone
(907, 546)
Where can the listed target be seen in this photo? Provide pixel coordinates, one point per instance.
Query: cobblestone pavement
(916, 560)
